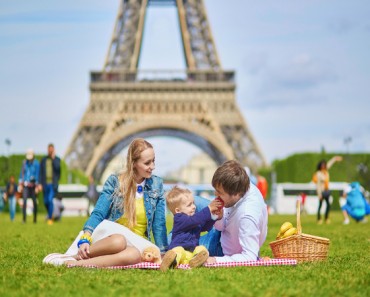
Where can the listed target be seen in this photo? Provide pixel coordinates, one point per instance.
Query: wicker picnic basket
(302, 247)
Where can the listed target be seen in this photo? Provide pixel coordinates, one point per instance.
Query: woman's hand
(83, 251)
(338, 158)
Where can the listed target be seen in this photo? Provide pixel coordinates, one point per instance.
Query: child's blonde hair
(174, 197)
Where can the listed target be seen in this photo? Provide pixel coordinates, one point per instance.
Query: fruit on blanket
(290, 232)
(222, 202)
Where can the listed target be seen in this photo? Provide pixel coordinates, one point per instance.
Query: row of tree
(297, 168)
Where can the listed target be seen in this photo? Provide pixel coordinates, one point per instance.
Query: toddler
(187, 227)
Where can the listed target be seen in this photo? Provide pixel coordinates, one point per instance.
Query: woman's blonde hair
(127, 179)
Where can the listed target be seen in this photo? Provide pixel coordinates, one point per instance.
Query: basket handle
(299, 227)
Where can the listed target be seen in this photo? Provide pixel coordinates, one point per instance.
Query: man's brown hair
(232, 177)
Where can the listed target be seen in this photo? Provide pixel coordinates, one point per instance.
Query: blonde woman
(134, 199)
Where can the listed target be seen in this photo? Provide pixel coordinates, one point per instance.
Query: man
(49, 180)
(243, 228)
(28, 183)
(92, 194)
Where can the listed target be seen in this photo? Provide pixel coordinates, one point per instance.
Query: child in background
(187, 227)
(10, 196)
(58, 207)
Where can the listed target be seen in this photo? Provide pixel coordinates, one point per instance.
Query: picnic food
(284, 227)
(289, 232)
(286, 230)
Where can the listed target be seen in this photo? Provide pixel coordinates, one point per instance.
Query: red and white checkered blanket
(148, 265)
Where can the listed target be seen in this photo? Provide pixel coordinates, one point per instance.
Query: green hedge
(299, 168)
(12, 166)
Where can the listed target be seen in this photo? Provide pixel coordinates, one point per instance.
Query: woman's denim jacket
(107, 207)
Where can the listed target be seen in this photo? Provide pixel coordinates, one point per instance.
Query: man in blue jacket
(49, 180)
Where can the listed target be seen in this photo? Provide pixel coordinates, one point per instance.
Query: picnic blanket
(107, 228)
(147, 265)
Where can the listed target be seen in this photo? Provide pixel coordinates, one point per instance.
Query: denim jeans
(49, 194)
(12, 204)
(325, 196)
(29, 192)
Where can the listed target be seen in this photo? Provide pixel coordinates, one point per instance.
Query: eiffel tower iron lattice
(197, 104)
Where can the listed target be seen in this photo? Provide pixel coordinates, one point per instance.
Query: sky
(302, 71)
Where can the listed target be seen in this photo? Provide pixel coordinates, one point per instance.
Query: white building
(199, 170)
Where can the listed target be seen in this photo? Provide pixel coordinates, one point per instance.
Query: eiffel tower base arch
(202, 112)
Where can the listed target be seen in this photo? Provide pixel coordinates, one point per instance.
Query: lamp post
(8, 143)
(347, 140)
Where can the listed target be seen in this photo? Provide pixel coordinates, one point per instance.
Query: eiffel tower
(197, 104)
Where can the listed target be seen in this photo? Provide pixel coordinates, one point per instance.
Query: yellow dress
(141, 219)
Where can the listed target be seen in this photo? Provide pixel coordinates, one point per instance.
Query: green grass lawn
(23, 246)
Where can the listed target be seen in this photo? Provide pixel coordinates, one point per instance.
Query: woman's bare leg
(112, 244)
(129, 256)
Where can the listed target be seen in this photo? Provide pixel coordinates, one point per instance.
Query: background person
(10, 196)
(242, 230)
(58, 207)
(28, 183)
(135, 199)
(356, 205)
(321, 178)
(92, 194)
(49, 180)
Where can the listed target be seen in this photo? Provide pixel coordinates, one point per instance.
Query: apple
(222, 202)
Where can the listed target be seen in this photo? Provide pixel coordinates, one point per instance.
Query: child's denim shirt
(107, 207)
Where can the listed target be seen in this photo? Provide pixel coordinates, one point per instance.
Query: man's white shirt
(243, 228)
